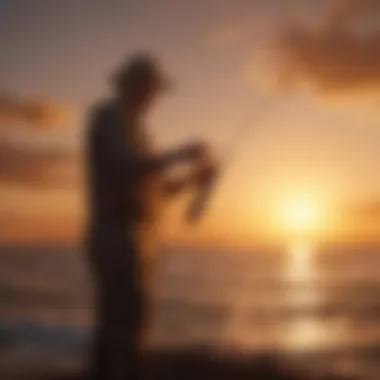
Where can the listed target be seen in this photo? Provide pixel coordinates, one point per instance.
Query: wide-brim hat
(142, 70)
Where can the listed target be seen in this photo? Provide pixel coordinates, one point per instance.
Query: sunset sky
(316, 63)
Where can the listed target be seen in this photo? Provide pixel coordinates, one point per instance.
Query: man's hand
(206, 167)
(203, 171)
(196, 151)
(206, 172)
(198, 179)
(205, 180)
(200, 154)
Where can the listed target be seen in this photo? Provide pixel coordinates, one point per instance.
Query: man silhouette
(127, 188)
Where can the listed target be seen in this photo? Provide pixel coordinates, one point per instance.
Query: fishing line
(199, 203)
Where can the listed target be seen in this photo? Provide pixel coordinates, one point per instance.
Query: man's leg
(99, 359)
(123, 333)
(120, 314)
(99, 351)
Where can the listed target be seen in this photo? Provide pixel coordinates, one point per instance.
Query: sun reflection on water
(296, 308)
(304, 329)
(300, 263)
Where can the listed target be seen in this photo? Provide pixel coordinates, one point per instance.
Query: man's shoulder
(103, 109)
(101, 116)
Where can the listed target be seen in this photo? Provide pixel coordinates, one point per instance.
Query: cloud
(340, 55)
(40, 186)
(363, 211)
(345, 12)
(44, 166)
(257, 22)
(32, 152)
(42, 113)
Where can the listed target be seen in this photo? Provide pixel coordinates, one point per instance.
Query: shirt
(124, 190)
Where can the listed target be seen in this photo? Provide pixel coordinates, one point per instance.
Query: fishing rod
(198, 205)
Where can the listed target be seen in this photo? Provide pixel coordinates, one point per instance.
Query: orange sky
(318, 62)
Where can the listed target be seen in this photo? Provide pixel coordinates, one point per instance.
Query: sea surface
(319, 306)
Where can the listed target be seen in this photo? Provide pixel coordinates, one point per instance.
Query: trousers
(121, 302)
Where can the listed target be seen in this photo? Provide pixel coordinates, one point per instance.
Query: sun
(301, 214)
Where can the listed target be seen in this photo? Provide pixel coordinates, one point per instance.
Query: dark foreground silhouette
(189, 365)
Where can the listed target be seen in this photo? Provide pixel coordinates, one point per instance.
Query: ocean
(321, 304)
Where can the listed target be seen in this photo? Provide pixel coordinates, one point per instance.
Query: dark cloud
(40, 166)
(344, 14)
(31, 153)
(42, 113)
(340, 55)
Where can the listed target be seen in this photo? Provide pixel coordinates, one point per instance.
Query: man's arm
(198, 178)
(110, 139)
(174, 187)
